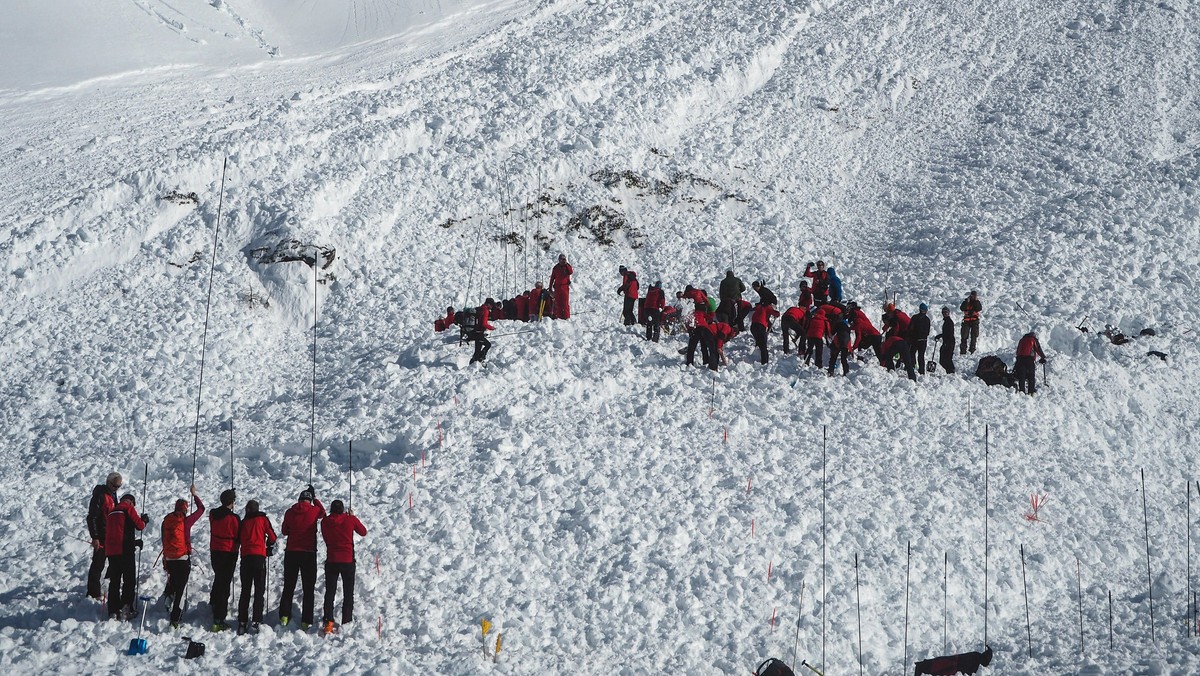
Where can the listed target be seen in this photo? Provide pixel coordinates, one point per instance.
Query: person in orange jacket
(1024, 370)
(177, 551)
(479, 332)
(560, 286)
(256, 538)
(338, 530)
(119, 544)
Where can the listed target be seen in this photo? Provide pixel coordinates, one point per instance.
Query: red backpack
(174, 541)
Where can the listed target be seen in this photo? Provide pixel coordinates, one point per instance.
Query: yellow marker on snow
(496, 655)
(487, 628)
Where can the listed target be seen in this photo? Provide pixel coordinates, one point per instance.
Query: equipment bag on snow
(773, 667)
(993, 371)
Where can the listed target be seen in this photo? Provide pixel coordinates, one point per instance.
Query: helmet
(923, 307)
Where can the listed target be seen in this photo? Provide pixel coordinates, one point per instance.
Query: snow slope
(608, 510)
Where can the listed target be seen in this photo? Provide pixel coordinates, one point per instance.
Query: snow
(583, 491)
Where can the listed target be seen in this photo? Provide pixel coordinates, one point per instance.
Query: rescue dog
(965, 663)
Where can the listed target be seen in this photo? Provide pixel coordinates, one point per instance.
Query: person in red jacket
(839, 347)
(256, 538)
(763, 313)
(806, 297)
(479, 332)
(700, 333)
(818, 326)
(1024, 369)
(629, 289)
(300, 556)
(865, 333)
(338, 531)
(820, 287)
(656, 301)
(697, 296)
(104, 498)
(223, 526)
(560, 286)
(722, 333)
(177, 551)
(895, 322)
(792, 324)
(119, 543)
(895, 348)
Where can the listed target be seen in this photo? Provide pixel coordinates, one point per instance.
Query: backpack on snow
(773, 667)
(993, 371)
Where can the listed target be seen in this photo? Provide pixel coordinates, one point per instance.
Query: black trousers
(791, 333)
(708, 347)
(760, 340)
(345, 571)
(1026, 372)
(653, 325)
(889, 360)
(482, 345)
(919, 347)
(816, 348)
(970, 332)
(729, 308)
(254, 582)
(96, 571)
(946, 355)
(835, 353)
(627, 313)
(224, 566)
(178, 573)
(304, 566)
(121, 579)
(875, 343)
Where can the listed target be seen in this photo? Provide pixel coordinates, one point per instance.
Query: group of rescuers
(114, 523)
(821, 318)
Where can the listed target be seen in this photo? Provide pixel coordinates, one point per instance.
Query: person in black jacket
(946, 353)
(765, 295)
(104, 498)
(918, 335)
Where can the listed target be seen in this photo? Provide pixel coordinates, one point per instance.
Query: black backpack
(773, 667)
(992, 370)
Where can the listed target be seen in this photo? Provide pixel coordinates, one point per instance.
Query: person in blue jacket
(835, 286)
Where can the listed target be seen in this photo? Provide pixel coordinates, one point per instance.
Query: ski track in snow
(584, 498)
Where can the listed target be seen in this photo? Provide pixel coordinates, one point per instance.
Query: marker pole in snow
(858, 602)
(1025, 589)
(1079, 595)
(1188, 528)
(231, 483)
(207, 306)
(985, 534)
(945, 602)
(1110, 631)
(907, 568)
(312, 419)
(1149, 584)
(350, 502)
(824, 597)
(138, 575)
(799, 616)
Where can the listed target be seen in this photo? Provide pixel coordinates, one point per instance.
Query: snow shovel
(138, 645)
(931, 365)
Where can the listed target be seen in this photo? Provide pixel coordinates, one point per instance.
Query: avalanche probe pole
(207, 307)
(1149, 584)
(312, 419)
(350, 506)
(138, 579)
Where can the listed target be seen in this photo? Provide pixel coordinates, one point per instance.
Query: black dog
(966, 663)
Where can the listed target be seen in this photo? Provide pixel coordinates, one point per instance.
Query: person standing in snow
(918, 335)
(338, 530)
(104, 498)
(701, 333)
(177, 551)
(256, 538)
(560, 287)
(628, 289)
(792, 324)
(300, 556)
(840, 347)
(1024, 370)
(806, 297)
(223, 526)
(730, 292)
(763, 313)
(971, 309)
(835, 286)
(946, 353)
(896, 322)
(478, 332)
(119, 542)
(818, 326)
(820, 285)
(656, 302)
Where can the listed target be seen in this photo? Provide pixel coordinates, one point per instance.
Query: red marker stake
(422, 459)
(439, 434)
(379, 628)
(410, 502)
(726, 435)
(377, 563)
(752, 528)
(770, 564)
(748, 482)
(773, 620)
